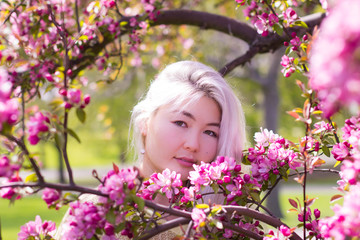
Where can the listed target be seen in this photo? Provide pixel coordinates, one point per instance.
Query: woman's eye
(180, 123)
(211, 133)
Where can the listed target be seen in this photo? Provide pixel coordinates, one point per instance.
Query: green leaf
(31, 178)
(273, 178)
(59, 140)
(325, 150)
(73, 134)
(139, 201)
(111, 217)
(81, 115)
(120, 227)
(287, 51)
(123, 23)
(215, 187)
(302, 24)
(278, 29)
(255, 196)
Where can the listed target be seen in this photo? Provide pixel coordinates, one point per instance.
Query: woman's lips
(186, 162)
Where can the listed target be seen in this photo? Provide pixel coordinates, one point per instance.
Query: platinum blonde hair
(182, 83)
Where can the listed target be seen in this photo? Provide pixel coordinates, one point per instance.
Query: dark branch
(63, 187)
(163, 227)
(248, 233)
(272, 221)
(206, 21)
(240, 61)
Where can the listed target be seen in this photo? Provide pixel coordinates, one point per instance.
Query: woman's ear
(144, 128)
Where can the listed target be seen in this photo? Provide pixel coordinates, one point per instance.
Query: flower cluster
(75, 97)
(118, 183)
(335, 71)
(7, 168)
(9, 112)
(83, 220)
(346, 221)
(37, 125)
(348, 151)
(283, 233)
(51, 196)
(11, 192)
(168, 182)
(261, 17)
(199, 218)
(270, 156)
(37, 230)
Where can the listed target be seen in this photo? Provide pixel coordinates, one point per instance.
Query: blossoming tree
(45, 46)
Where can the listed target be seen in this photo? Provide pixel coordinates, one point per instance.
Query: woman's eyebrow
(187, 114)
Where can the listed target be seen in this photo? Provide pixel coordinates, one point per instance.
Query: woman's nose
(192, 142)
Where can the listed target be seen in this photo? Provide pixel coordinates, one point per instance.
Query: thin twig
(27, 153)
(58, 186)
(61, 31)
(12, 11)
(239, 61)
(77, 15)
(188, 230)
(333, 127)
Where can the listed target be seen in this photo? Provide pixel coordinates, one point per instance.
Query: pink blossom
(228, 233)
(50, 196)
(36, 229)
(261, 26)
(285, 231)
(117, 184)
(74, 96)
(322, 127)
(167, 182)
(199, 218)
(189, 194)
(83, 220)
(290, 16)
(7, 168)
(341, 150)
(265, 137)
(296, 42)
(346, 221)
(9, 112)
(334, 71)
(273, 19)
(10, 192)
(37, 124)
(235, 189)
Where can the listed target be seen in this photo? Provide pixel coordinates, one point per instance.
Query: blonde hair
(188, 81)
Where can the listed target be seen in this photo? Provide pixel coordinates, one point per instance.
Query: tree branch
(27, 153)
(163, 227)
(206, 21)
(239, 61)
(63, 187)
(272, 221)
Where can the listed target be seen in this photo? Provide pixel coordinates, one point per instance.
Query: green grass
(322, 203)
(23, 211)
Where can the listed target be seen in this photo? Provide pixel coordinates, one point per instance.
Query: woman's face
(177, 139)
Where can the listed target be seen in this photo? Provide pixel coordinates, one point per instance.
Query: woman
(188, 116)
